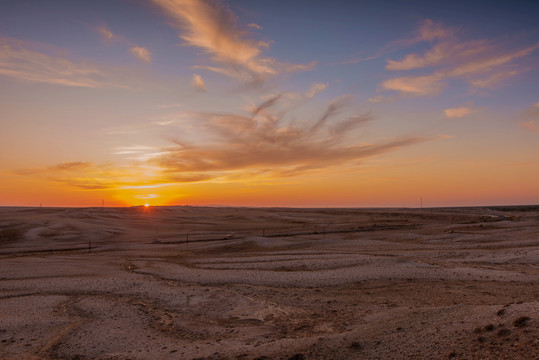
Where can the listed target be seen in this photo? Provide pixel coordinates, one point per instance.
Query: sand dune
(244, 283)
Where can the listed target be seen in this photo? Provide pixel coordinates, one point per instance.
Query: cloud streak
(64, 167)
(428, 85)
(427, 30)
(214, 29)
(141, 53)
(531, 116)
(89, 176)
(458, 112)
(107, 35)
(71, 166)
(481, 63)
(19, 61)
(263, 144)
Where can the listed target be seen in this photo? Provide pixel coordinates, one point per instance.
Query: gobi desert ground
(244, 283)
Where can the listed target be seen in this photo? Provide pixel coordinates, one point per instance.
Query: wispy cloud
(89, 176)
(531, 125)
(132, 149)
(381, 99)
(494, 79)
(316, 89)
(487, 63)
(214, 29)
(286, 101)
(18, 60)
(430, 30)
(255, 26)
(358, 59)
(157, 122)
(428, 85)
(71, 166)
(531, 118)
(264, 144)
(147, 197)
(446, 52)
(107, 35)
(138, 152)
(481, 63)
(427, 30)
(64, 167)
(458, 112)
(170, 106)
(142, 53)
(198, 83)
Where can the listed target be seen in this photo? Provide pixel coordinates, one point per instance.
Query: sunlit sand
(241, 283)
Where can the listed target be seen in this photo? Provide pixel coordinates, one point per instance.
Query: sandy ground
(241, 283)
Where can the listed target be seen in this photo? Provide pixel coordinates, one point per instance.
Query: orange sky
(224, 103)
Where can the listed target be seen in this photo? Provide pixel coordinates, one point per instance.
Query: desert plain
(191, 282)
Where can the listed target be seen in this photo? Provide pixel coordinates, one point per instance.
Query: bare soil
(256, 283)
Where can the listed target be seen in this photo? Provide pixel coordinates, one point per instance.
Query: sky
(269, 103)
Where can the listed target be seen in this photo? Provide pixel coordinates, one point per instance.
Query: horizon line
(269, 207)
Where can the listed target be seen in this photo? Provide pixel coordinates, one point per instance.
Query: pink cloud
(428, 85)
(458, 112)
(262, 143)
(199, 83)
(18, 60)
(479, 62)
(141, 53)
(214, 29)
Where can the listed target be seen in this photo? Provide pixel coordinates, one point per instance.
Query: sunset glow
(268, 103)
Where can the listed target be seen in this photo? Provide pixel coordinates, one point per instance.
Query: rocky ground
(243, 283)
